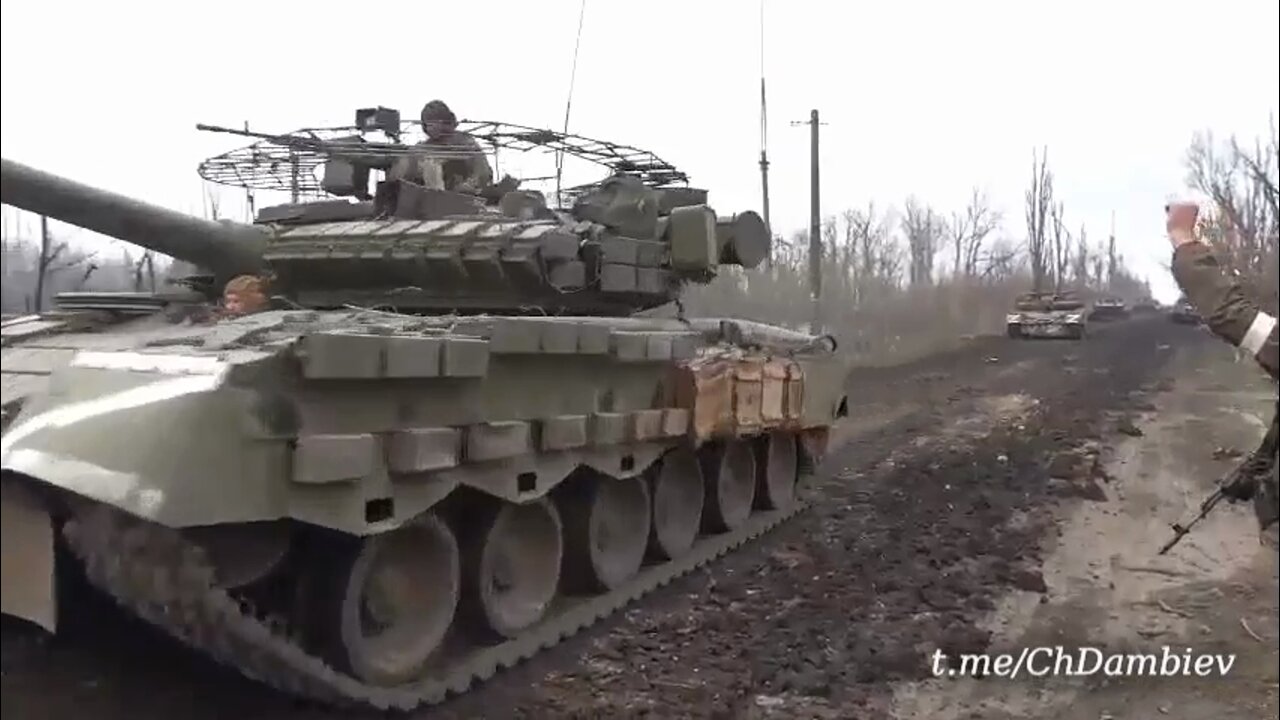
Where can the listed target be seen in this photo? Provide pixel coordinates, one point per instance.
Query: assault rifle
(1242, 484)
(1180, 531)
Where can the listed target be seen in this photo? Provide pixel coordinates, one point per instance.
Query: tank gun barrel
(225, 248)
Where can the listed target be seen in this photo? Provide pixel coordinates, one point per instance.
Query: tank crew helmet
(437, 116)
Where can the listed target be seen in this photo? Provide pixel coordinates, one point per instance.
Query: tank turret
(621, 246)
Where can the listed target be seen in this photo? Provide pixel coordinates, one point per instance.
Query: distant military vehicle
(1145, 306)
(1185, 313)
(452, 442)
(1046, 315)
(1109, 308)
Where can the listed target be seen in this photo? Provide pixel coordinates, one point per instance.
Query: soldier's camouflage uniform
(1236, 318)
(460, 165)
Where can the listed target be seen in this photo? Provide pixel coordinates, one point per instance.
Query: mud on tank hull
(381, 510)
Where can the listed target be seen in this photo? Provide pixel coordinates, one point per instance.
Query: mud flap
(26, 557)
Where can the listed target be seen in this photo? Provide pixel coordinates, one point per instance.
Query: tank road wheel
(778, 468)
(392, 601)
(730, 469)
(513, 567)
(678, 492)
(606, 524)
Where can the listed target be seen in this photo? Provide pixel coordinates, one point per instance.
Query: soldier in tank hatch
(1233, 314)
(245, 295)
(469, 173)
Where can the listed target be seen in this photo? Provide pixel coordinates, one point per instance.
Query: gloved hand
(1241, 485)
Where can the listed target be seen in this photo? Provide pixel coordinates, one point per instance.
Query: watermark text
(1059, 661)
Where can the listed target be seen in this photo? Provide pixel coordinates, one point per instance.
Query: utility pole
(815, 221)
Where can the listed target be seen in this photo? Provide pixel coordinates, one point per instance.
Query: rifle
(1242, 484)
(1180, 531)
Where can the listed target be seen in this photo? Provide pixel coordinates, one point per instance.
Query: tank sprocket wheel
(386, 602)
(606, 528)
(678, 494)
(729, 468)
(511, 570)
(778, 469)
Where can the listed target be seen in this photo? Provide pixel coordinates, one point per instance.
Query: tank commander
(459, 163)
(1234, 315)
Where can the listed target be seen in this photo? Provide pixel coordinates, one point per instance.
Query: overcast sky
(924, 98)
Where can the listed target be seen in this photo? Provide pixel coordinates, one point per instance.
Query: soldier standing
(1234, 316)
(458, 163)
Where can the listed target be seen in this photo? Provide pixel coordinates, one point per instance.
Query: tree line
(898, 282)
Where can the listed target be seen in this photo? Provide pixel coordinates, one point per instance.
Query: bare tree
(1244, 225)
(1039, 200)
(889, 263)
(1080, 261)
(1060, 247)
(56, 256)
(1113, 262)
(1001, 261)
(923, 228)
(967, 232)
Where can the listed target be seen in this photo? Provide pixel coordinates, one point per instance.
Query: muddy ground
(1003, 495)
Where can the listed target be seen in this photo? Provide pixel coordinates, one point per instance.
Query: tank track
(166, 580)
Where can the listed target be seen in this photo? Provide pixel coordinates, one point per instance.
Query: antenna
(248, 192)
(764, 146)
(568, 103)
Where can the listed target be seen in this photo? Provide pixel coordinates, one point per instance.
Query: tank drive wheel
(778, 468)
(606, 527)
(1014, 331)
(677, 490)
(512, 567)
(730, 470)
(390, 601)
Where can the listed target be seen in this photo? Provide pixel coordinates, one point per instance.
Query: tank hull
(308, 450)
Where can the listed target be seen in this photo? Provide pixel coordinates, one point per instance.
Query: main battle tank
(453, 441)
(1047, 315)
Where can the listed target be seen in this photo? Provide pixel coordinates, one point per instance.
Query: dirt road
(1007, 494)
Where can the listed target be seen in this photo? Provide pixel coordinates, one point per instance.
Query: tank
(1109, 308)
(1047, 315)
(453, 439)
